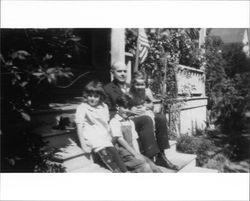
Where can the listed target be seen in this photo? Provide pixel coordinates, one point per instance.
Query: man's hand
(139, 110)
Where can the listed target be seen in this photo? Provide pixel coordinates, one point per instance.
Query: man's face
(120, 73)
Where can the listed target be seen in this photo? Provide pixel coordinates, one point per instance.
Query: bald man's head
(119, 71)
(118, 64)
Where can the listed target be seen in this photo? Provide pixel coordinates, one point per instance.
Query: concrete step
(74, 160)
(172, 148)
(55, 138)
(72, 157)
(183, 161)
(199, 170)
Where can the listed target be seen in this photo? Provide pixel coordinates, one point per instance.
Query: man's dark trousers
(150, 144)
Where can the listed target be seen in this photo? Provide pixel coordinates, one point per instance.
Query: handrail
(190, 68)
(74, 81)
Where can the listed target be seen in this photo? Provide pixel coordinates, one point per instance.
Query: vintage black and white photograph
(125, 100)
(135, 88)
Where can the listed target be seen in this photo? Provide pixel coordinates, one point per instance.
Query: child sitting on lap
(123, 130)
(92, 118)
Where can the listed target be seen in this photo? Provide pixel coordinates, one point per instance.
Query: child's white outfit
(95, 125)
(96, 132)
(117, 123)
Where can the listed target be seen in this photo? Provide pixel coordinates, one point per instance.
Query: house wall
(193, 113)
(193, 116)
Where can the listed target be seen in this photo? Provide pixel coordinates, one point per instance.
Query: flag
(143, 45)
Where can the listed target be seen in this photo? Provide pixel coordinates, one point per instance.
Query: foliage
(22, 151)
(32, 62)
(228, 94)
(196, 145)
(218, 162)
(168, 48)
(212, 153)
(237, 62)
(227, 88)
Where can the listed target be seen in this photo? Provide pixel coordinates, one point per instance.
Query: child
(92, 118)
(143, 105)
(123, 130)
(142, 96)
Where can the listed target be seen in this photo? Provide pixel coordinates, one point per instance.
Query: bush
(196, 145)
(218, 162)
(22, 151)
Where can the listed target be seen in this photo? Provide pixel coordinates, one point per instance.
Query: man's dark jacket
(113, 92)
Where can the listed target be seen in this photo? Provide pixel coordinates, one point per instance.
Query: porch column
(118, 49)
(117, 45)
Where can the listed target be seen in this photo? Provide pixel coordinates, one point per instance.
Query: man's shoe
(162, 160)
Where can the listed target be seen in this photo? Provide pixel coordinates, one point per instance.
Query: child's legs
(161, 132)
(112, 160)
(151, 115)
(132, 163)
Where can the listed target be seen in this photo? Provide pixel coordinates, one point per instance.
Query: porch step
(46, 120)
(72, 157)
(55, 138)
(172, 148)
(183, 161)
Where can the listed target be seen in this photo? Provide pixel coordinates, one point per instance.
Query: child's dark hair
(94, 86)
(137, 75)
(124, 101)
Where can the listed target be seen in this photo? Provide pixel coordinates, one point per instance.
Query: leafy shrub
(168, 48)
(23, 151)
(187, 144)
(218, 162)
(32, 62)
(196, 145)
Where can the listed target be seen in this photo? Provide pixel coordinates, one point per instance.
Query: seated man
(151, 145)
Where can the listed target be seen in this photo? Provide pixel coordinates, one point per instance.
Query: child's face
(139, 84)
(123, 112)
(93, 99)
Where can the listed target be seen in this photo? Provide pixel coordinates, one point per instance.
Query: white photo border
(124, 14)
